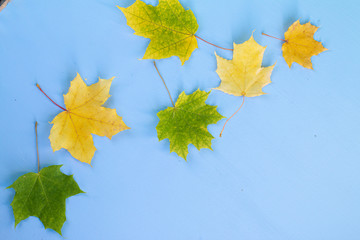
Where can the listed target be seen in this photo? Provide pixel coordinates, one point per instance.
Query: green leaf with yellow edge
(43, 195)
(169, 26)
(187, 122)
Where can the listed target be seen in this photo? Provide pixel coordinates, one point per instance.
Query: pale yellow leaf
(243, 75)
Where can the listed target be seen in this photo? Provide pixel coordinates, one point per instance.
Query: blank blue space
(286, 168)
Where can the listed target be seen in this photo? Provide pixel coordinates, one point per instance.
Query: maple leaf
(43, 195)
(243, 75)
(169, 26)
(300, 45)
(186, 123)
(83, 116)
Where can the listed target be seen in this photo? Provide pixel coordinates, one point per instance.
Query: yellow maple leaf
(84, 115)
(300, 45)
(243, 75)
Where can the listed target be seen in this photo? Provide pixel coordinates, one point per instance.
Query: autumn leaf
(243, 75)
(43, 195)
(300, 44)
(170, 28)
(186, 123)
(84, 115)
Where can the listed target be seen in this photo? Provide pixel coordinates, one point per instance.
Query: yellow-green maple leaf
(84, 116)
(186, 123)
(300, 45)
(243, 75)
(169, 26)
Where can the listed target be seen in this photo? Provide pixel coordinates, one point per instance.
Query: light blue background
(286, 168)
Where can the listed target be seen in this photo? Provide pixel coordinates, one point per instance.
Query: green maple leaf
(187, 123)
(170, 28)
(43, 195)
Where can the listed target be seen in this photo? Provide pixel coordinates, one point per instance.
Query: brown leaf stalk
(232, 115)
(172, 102)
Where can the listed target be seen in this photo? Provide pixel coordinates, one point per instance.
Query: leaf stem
(274, 37)
(37, 85)
(172, 102)
(37, 147)
(229, 49)
(232, 115)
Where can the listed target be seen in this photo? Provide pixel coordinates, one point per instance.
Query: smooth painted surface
(286, 168)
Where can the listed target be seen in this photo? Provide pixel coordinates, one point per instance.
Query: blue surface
(286, 168)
